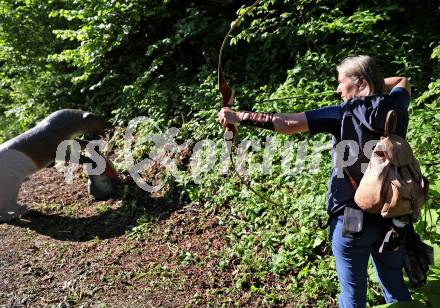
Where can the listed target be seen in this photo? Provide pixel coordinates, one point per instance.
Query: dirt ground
(72, 251)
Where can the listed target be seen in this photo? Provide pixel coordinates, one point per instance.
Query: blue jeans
(352, 263)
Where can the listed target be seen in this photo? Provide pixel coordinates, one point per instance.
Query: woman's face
(346, 88)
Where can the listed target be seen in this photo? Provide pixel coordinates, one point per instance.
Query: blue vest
(360, 119)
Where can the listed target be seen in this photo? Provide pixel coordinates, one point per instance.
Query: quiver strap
(390, 123)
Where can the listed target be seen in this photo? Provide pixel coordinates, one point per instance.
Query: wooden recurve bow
(227, 94)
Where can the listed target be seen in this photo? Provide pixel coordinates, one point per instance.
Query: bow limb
(226, 91)
(227, 100)
(227, 94)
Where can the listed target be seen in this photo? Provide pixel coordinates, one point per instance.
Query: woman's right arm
(393, 82)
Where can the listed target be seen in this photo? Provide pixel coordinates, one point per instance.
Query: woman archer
(366, 99)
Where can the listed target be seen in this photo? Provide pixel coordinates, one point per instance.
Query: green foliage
(158, 59)
(141, 230)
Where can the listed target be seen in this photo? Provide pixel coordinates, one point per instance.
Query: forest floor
(150, 251)
(72, 251)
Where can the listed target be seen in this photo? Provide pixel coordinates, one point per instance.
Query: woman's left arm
(290, 123)
(284, 123)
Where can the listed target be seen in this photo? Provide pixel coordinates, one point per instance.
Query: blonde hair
(363, 67)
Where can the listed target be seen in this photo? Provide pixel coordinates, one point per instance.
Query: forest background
(158, 59)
